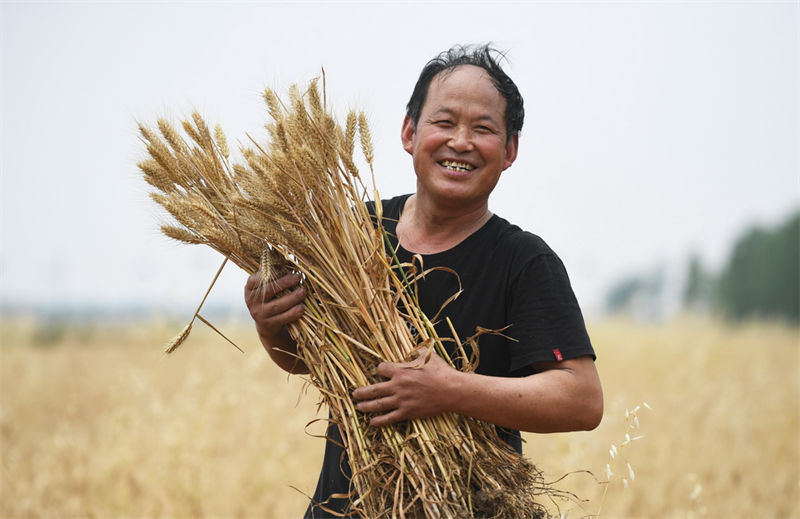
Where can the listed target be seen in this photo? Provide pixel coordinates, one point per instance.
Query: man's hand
(416, 389)
(272, 310)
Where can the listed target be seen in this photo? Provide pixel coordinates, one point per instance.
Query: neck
(425, 228)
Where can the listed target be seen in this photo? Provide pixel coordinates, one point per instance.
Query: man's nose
(461, 139)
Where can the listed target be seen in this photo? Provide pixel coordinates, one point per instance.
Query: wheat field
(95, 421)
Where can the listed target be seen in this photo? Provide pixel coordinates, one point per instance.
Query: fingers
(274, 322)
(379, 390)
(270, 305)
(256, 292)
(378, 405)
(387, 419)
(386, 409)
(273, 307)
(379, 399)
(263, 307)
(387, 369)
(255, 283)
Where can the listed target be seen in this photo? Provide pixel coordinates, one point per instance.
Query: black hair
(484, 56)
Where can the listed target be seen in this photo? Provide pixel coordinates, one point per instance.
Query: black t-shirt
(511, 280)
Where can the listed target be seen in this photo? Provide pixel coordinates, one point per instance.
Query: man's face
(459, 145)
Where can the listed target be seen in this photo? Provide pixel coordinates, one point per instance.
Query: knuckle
(290, 315)
(286, 281)
(268, 308)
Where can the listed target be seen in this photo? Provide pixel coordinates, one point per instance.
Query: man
(462, 131)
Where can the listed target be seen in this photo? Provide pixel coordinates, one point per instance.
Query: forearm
(555, 400)
(282, 349)
(274, 305)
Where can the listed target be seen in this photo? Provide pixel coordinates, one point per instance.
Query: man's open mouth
(457, 166)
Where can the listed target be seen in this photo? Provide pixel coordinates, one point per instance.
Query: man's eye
(444, 122)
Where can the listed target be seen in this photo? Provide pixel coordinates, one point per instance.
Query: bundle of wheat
(298, 203)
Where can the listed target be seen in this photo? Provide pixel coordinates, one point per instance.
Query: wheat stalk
(297, 203)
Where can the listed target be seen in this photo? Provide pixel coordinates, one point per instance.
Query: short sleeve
(545, 317)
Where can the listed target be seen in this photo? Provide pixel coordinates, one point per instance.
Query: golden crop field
(97, 422)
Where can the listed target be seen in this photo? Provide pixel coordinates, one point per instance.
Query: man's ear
(407, 134)
(512, 146)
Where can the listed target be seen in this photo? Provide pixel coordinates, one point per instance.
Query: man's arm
(272, 313)
(564, 396)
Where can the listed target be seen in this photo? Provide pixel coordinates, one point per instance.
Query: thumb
(421, 356)
(387, 369)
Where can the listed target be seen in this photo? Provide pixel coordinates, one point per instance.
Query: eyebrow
(450, 111)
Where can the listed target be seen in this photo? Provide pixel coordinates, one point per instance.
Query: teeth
(457, 166)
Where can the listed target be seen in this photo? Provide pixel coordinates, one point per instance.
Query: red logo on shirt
(558, 355)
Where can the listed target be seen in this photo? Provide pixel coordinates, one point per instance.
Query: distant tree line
(762, 275)
(761, 279)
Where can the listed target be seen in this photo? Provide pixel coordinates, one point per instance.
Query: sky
(653, 130)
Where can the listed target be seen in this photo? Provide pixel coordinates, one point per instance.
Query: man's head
(482, 56)
(459, 143)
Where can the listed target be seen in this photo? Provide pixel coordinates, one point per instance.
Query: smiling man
(462, 131)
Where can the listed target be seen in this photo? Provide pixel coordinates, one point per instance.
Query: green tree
(762, 276)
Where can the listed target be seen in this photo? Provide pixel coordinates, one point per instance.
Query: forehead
(465, 86)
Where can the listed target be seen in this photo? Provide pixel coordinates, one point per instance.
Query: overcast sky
(653, 130)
